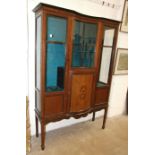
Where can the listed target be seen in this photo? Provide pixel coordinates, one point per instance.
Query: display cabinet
(74, 63)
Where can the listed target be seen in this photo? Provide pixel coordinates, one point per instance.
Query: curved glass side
(38, 51)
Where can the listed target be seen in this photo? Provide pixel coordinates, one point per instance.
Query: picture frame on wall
(124, 25)
(121, 65)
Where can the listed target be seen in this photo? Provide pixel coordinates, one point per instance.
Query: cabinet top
(43, 5)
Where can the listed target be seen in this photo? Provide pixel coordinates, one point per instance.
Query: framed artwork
(124, 25)
(121, 65)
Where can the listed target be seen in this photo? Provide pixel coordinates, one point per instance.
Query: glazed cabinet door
(82, 70)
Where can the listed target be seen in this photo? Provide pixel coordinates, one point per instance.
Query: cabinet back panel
(56, 29)
(55, 59)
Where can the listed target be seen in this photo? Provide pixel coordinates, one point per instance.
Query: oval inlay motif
(83, 91)
(82, 96)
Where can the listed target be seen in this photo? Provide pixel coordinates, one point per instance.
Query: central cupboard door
(82, 72)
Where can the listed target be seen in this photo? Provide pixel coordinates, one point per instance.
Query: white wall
(89, 8)
(119, 83)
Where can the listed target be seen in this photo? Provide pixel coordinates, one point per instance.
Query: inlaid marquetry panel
(81, 92)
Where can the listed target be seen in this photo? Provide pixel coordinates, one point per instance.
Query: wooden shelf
(55, 42)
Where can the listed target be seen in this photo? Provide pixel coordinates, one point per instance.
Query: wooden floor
(86, 138)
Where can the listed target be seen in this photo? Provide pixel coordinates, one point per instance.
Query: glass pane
(55, 58)
(84, 42)
(108, 36)
(56, 29)
(55, 53)
(38, 50)
(105, 64)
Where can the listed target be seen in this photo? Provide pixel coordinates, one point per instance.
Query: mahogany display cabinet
(74, 57)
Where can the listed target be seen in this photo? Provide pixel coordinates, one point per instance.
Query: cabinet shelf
(101, 84)
(53, 89)
(82, 52)
(55, 42)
